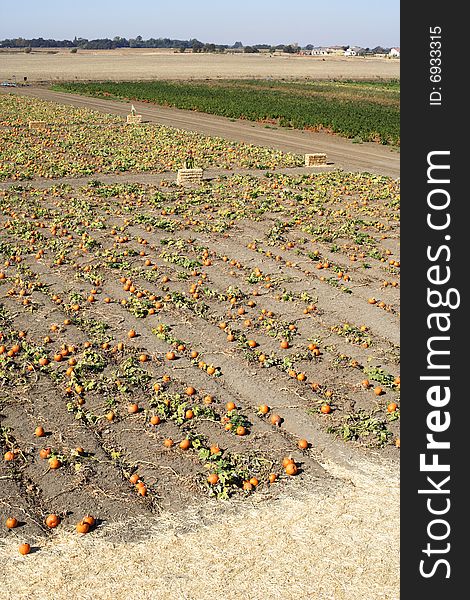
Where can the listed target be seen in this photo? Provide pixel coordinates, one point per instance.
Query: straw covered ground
(314, 542)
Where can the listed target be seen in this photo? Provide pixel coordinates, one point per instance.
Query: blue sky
(367, 23)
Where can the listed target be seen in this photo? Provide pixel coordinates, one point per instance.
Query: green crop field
(363, 111)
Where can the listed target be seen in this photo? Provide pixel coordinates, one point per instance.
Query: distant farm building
(354, 51)
(318, 51)
(338, 50)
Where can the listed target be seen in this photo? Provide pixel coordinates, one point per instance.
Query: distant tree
(309, 47)
(120, 42)
(28, 50)
(290, 49)
(209, 48)
(181, 49)
(380, 50)
(237, 45)
(197, 46)
(250, 50)
(136, 42)
(73, 50)
(100, 44)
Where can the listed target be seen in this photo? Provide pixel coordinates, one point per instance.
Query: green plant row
(356, 110)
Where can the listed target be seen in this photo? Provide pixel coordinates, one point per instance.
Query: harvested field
(145, 64)
(164, 350)
(272, 290)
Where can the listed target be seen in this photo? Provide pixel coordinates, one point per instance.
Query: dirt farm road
(341, 153)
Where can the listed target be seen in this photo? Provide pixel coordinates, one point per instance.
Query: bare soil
(96, 481)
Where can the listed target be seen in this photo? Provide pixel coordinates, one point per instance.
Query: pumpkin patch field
(77, 142)
(165, 346)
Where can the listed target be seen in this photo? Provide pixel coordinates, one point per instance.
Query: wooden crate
(134, 119)
(189, 177)
(315, 160)
(37, 125)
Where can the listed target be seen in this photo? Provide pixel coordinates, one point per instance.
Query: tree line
(117, 42)
(193, 45)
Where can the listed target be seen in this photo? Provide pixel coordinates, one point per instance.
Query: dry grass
(128, 65)
(331, 541)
